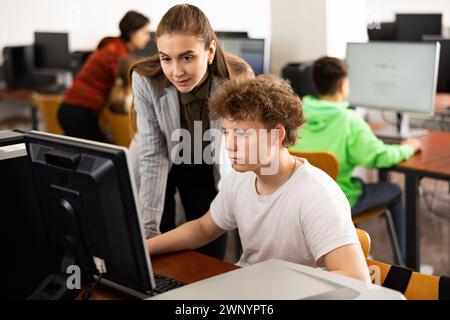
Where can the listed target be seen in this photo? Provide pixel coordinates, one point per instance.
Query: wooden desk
(24, 96)
(186, 266)
(433, 162)
(442, 102)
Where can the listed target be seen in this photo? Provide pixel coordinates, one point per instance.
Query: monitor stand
(401, 132)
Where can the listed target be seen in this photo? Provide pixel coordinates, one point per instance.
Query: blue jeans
(389, 194)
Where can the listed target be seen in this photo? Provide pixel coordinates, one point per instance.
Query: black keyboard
(164, 284)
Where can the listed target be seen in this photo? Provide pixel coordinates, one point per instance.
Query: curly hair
(265, 97)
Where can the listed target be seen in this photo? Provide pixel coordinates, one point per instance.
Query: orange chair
(364, 240)
(48, 106)
(413, 285)
(328, 162)
(117, 125)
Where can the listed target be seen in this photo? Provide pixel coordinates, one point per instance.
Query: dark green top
(194, 107)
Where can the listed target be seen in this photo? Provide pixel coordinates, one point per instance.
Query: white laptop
(279, 280)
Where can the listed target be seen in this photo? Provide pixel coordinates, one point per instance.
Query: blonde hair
(238, 68)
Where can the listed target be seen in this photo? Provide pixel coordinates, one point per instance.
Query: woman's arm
(153, 158)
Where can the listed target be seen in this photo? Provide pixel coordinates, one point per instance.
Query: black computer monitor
(232, 34)
(251, 50)
(24, 247)
(86, 195)
(385, 31)
(443, 84)
(52, 50)
(411, 27)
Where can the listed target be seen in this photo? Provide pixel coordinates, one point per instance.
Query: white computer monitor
(394, 76)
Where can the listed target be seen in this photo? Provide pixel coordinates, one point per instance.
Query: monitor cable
(87, 295)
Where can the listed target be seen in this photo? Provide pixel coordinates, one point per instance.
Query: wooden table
(442, 102)
(24, 96)
(433, 162)
(186, 266)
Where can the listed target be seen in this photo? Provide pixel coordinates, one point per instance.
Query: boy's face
(250, 144)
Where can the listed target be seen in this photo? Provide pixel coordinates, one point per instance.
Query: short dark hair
(131, 21)
(327, 73)
(265, 97)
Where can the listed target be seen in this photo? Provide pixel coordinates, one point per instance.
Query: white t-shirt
(306, 218)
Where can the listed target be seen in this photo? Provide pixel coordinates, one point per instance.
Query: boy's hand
(414, 143)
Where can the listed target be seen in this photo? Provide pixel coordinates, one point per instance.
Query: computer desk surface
(185, 266)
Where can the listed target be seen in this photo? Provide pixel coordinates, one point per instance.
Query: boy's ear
(281, 133)
(343, 84)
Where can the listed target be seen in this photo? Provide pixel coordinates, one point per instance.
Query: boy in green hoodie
(331, 126)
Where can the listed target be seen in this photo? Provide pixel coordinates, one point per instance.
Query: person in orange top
(78, 113)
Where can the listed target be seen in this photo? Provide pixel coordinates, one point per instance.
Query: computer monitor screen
(393, 76)
(251, 50)
(444, 63)
(411, 27)
(232, 34)
(52, 50)
(86, 194)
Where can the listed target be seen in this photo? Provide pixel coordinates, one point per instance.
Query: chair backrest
(413, 285)
(364, 240)
(48, 106)
(118, 125)
(324, 160)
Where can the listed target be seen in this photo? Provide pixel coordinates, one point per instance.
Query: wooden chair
(328, 162)
(413, 285)
(117, 125)
(48, 106)
(364, 240)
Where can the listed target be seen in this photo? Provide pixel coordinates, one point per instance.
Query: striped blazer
(158, 118)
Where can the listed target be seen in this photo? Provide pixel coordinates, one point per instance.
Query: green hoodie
(331, 126)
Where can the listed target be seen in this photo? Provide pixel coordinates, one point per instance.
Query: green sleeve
(365, 149)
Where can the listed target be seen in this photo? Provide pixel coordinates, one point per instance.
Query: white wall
(298, 31)
(87, 21)
(385, 10)
(346, 22)
(304, 30)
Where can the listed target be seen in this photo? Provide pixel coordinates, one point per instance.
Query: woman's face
(140, 37)
(184, 59)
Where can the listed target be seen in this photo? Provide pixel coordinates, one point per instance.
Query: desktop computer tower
(19, 68)
(26, 255)
(299, 76)
(18, 64)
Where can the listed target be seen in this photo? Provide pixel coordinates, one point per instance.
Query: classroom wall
(298, 31)
(304, 30)
(87, 21)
